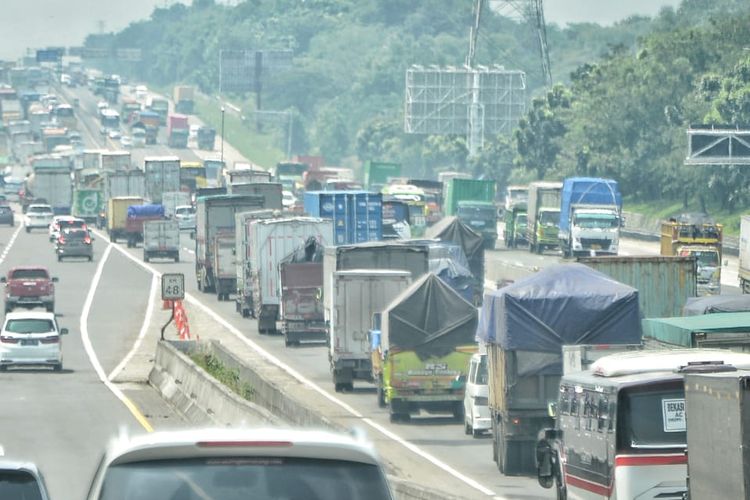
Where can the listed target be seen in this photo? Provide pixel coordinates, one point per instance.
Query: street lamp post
(222, 134)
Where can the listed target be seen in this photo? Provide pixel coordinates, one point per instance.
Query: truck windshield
(652, 417)
(549, 218)
(704, 258)
(596, 221)
(521, 220)
(477, 212)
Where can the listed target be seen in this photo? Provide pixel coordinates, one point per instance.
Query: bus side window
(603, 411)
(612, 413)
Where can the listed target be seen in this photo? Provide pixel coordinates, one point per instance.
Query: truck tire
(50, 306)
(458, 411)
(381, 392)
(177, 257)
(28, 229)
(145, 257)
(499, 447)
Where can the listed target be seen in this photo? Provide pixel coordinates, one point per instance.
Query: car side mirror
(55, 280)
(63, 331)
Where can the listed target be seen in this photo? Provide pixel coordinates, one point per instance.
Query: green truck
(543, 216)
(88, 204)
(719, 330)
(421, 345)
(377, 173)
(473, 201)
(516, 222)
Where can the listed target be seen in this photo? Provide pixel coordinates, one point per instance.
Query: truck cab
(516, 224)
(546, 228)
(702, 241)
(481, 216)
(595, 230)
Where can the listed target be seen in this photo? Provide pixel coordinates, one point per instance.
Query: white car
(262, 464)
(114, 134)
(60, 222)
(31, 338)
(193, 131)
(38, 216)
(477, 417)
(126, 141)
(101, 106)
(185, 216)
(288, 200)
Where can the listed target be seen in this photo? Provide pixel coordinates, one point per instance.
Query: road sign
(49, 55)
(173, 286)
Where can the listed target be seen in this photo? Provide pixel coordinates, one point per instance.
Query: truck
(177, 131)
(590, 216)
(433, 198)
(161, 239)
(162, 175)
(290, 174)
(357, 215)
(53, 137)
(516, 194)
(723, 330)
(160, 106)
(87, 204)
(516, 224)
(664, 284)
(125, 183)
(11, 110)
(472, 201)
(300, 306)
(524, 326)
(184, 99)
(51, 181)
(271, 240)
(377, 174)
(136, 217)
(172, 199)
(91, 159)
(150, 122)
(703, 241)
(271, 192)
(225, 278)
(117, 215)
(353, 297)
(246, 175)
(543, 216)
(114, 161)
(744, 261)
(421, 345)
(215, 214)
(214, 172)
(206, 138)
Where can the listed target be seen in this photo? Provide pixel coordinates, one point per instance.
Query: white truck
(162, 176)
(172, 200)
(270, 241)
(51, 183)
(243, 275)
(590, 217)
(161, 239)
(223, 265)
(744, 264)
(114, 161)
(355, 296)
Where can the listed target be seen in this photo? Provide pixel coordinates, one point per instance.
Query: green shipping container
(726, 330)
(467, 190)
(378, 172)
(87, 203)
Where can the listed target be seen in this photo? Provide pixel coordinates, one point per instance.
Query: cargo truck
(160, 106)
(87, 204)
(136, 217)
(516, 224)
(433, 198)
(664, 284)
(246, 175)
(184, 99)
(301, 307)
(125, 183)
(590, 216)
(161, 239)
(213, 215)
(162, 175)
(51, 182)
(744, 262)
(214, 172)
(378, 173)
(225, 277)
(421, 345)
(524, 326)
(472, 201)
(701, 241)
(721, 330)
(177, 131)
(271, 192)
(117, 215)
(357, 215)
(543, 216)
(352, 299)
(206, 138)
(114, 161)
(270, 241)
(173, 199)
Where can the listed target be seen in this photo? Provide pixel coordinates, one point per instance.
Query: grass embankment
(227, 376)
(663, 209)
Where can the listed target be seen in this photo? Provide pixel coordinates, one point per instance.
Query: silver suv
(75, 242)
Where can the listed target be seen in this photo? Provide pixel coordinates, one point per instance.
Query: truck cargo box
(161, 238)
(271, 191)
(711, 304)
(725, 330)
(162, 175)
(357, 215)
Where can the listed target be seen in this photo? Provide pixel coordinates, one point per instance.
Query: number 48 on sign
(173, 286)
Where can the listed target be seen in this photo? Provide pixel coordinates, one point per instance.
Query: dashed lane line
(12, 240)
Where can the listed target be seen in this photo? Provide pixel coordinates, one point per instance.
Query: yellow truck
(701, 241)
(117, 215)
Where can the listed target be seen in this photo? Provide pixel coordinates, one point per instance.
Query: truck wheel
(50, 307)
(177, 258)
(458, 411)
(467, 428)
(59, 258)
(28, 229)
(381, 393)
(145, 257)
(499, 442)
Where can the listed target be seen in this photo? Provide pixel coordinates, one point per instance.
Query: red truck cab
(29, 286)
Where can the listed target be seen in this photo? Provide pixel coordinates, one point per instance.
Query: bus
(620, 427)
(192, 176)
(110, 120)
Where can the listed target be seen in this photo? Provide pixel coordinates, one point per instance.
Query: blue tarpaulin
(587, 191)
(145, 211)
(566, 304)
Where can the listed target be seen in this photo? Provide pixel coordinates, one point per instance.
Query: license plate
(29, 342)
(596, 247)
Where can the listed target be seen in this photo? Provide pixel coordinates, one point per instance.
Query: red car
(29, 286)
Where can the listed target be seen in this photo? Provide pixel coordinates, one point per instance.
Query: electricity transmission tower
(532, 12)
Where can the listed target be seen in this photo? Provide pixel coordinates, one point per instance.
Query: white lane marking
(88, 347)
(10, 243)
(142, 333)
(273, 359)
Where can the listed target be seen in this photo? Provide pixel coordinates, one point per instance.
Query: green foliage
(230, 377)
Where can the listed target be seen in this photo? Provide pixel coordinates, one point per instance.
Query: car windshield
(29, 274)
(184, 211)
(29, 325)
(18, 484)
(242, 478)
(39, 210)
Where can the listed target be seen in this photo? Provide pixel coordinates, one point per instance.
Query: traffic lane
(438, 435)
(50, 417)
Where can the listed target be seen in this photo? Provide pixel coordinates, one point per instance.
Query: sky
(41, 23)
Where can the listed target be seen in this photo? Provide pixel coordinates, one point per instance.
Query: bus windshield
(652, 416)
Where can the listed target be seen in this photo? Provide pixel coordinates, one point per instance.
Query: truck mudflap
(267, 316)
(173, 254)
(296, 331)
(224, 287)
(514, 440)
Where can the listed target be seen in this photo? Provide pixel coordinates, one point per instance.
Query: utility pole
(222, 134)
(475, 134)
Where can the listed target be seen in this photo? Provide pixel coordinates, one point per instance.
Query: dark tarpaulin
(311, 251)
(452, 229)
(429, 318)
(716, 304)
(561, 305)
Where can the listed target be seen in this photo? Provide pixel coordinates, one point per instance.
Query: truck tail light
(50, 340)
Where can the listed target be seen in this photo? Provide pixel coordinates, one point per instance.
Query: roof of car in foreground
(30, 315)
(20, 268)
(277, 442)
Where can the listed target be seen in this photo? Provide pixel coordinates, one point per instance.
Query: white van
(476, 404)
